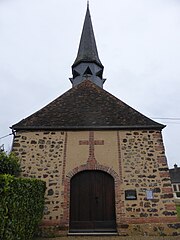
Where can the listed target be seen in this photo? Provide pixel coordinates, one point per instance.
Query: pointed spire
(87, 64)
(87, 48)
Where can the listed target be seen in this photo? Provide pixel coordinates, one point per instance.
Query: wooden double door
(92, 202)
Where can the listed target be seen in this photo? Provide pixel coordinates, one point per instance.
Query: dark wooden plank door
(92, 202)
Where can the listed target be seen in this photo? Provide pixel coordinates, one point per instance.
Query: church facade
(103, 162)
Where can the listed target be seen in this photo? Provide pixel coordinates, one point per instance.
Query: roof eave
(154, 127)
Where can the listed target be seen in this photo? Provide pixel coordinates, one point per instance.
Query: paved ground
(110, 238)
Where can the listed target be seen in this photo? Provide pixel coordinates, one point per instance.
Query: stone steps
(112, 238)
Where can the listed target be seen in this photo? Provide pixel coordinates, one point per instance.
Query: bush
(9, 164)
(21, 207)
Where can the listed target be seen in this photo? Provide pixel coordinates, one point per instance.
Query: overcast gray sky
(138, 43)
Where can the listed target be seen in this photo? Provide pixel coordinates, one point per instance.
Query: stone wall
(135, 159)
(42, 156)
(145, 168)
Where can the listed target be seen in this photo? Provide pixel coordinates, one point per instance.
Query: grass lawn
(178, 211)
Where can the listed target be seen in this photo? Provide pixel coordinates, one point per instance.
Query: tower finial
(88, 3)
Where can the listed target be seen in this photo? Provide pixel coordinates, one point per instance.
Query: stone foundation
(147, 229)
(150, 229)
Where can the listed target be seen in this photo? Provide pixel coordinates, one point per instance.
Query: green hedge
(21, 207)
(9, 164)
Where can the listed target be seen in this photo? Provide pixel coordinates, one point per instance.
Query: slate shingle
(87, 51)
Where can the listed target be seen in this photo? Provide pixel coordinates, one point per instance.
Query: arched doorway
(92, 202)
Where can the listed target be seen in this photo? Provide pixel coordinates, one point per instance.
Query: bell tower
(87, 64)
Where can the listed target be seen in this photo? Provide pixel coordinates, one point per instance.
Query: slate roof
(87, 106)
(175, 174)
(87, 51)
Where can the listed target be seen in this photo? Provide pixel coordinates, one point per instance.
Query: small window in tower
(75, 74)
(149, 194)
(99, 74)
(88, 71)
(130, 194)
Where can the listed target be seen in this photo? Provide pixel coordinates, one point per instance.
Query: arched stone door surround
(66, 193)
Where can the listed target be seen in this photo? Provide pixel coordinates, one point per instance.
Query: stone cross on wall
(91, 142)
